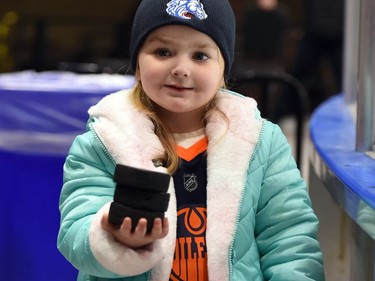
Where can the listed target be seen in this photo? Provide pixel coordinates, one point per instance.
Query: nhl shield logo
(190, 182)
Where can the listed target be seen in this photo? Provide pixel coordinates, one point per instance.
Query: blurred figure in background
(264, 30)
(264, 49)
(319, 60)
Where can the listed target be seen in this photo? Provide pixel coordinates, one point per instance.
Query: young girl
(238, 207)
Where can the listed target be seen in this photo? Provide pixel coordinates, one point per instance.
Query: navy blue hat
(212, 17)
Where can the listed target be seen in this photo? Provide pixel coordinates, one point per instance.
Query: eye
(162, 52)
(200, 56)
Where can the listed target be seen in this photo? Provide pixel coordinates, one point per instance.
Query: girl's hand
(139, 237)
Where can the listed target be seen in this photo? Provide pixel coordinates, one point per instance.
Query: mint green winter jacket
(260, 224)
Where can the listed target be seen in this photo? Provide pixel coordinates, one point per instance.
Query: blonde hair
(142, 102)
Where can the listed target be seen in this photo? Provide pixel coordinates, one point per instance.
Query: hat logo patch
(186, 9)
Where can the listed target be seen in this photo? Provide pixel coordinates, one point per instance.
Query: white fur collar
(128, 136)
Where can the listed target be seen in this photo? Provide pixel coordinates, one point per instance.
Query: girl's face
(180, 70)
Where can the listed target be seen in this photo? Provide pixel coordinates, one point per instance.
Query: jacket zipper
(240, 205)
(114, 162)
(101, 144)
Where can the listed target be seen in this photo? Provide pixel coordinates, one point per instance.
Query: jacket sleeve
(87, 190)
(286, 226)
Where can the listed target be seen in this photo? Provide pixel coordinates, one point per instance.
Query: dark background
(56, 35)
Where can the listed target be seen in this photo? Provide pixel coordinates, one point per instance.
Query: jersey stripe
(190, 153)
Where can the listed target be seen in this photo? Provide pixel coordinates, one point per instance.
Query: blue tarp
(40, 114)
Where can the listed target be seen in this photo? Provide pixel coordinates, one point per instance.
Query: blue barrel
(40, 114)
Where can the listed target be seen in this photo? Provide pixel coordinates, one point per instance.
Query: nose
(181, 67)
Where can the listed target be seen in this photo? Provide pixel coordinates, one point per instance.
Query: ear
(137, 75)
(222, 82)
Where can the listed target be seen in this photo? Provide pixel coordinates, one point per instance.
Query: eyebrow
(169, 41)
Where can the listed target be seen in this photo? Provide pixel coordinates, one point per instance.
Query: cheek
(150, 72)
(214, 81)
(145, 67)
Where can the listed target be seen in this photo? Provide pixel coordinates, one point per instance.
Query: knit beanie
(215, 18)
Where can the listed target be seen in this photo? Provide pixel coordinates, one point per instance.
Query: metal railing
(359, 69)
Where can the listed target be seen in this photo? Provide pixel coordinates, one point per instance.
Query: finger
(141, 227)
(104, 219)
(165, 229)
(160, 228)
(126, 225)
(157, 227)
(106, 225)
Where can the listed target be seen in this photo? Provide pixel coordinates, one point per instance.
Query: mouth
(178, 87)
